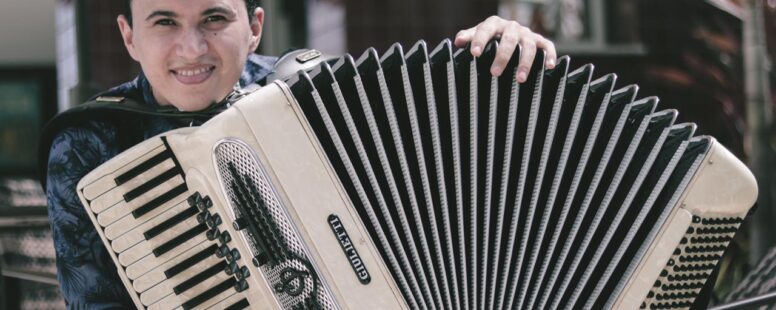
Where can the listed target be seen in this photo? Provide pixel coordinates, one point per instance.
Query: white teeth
(193, 72)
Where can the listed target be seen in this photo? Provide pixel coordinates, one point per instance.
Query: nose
(191, 44)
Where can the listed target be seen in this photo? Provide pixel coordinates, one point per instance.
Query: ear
(127, 35)
(257, 25)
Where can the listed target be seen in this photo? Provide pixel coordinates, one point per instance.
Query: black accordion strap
(124, 112)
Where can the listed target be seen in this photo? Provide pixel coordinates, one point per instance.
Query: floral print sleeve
(87, 275)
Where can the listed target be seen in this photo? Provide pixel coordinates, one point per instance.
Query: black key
(191, 261)
(212, 234)
(222, 251)
(175, 220)
(143, 167)
(213, 221)
(205, 203)
(203, 217)
(212, 292)
(243, 274)
(260, 260)
(225, 237)
(174, 242)
(194, 199)
(240, 224)
(158, 201)
(241, 286)
(151, 184)
(242, 304)
(231, 268)
(233, 255)
(198, 278)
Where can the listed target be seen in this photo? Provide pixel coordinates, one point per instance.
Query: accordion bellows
(418, 180)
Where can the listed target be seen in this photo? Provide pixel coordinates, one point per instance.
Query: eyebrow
(213, 10)
(218, 9)
(161, 13)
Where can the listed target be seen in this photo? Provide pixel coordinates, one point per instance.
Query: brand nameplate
(350, 251)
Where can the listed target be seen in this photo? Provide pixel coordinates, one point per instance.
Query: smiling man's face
(191, 51)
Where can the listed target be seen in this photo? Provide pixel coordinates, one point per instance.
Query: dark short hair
(250, 5)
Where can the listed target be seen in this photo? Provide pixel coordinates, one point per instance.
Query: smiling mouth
(193, 76)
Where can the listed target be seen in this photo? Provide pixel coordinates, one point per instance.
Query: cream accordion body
(417, 180)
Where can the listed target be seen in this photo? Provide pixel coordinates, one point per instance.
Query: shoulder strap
(120, 111)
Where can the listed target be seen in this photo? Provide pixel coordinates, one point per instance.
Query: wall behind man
(27, 80)
(27, 33)
(379, 23)
(27, 86)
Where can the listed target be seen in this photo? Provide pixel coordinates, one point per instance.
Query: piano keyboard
(171, 245)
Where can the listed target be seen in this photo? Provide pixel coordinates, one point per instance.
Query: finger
(527, 54)
(464, 37)
(506, 47)
(551, 53)
(486, 30)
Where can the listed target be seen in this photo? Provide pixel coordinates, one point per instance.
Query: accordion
(416, 179)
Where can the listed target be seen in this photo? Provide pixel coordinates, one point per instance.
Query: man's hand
(511, 34)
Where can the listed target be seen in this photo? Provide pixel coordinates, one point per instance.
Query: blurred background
(711, 59)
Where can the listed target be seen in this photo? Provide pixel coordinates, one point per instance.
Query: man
(193, 54)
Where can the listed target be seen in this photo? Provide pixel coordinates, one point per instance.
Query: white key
(148, 262)
(106, 182)
(135, 236)
(157, 293)
(116, 194)
(122, 208)
(231, 300)
(173, 301)
(167, 287)
(129, 222)
(145, 247)
(156, 276)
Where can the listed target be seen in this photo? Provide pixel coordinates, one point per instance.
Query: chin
(192, 105)
(197, 97)
(195, 108)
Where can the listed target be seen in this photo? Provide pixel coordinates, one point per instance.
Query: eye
(214, 18)
(165, 22)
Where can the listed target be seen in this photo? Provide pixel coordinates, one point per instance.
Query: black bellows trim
(481, 192)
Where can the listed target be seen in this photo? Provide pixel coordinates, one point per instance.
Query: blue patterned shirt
(86, 273)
